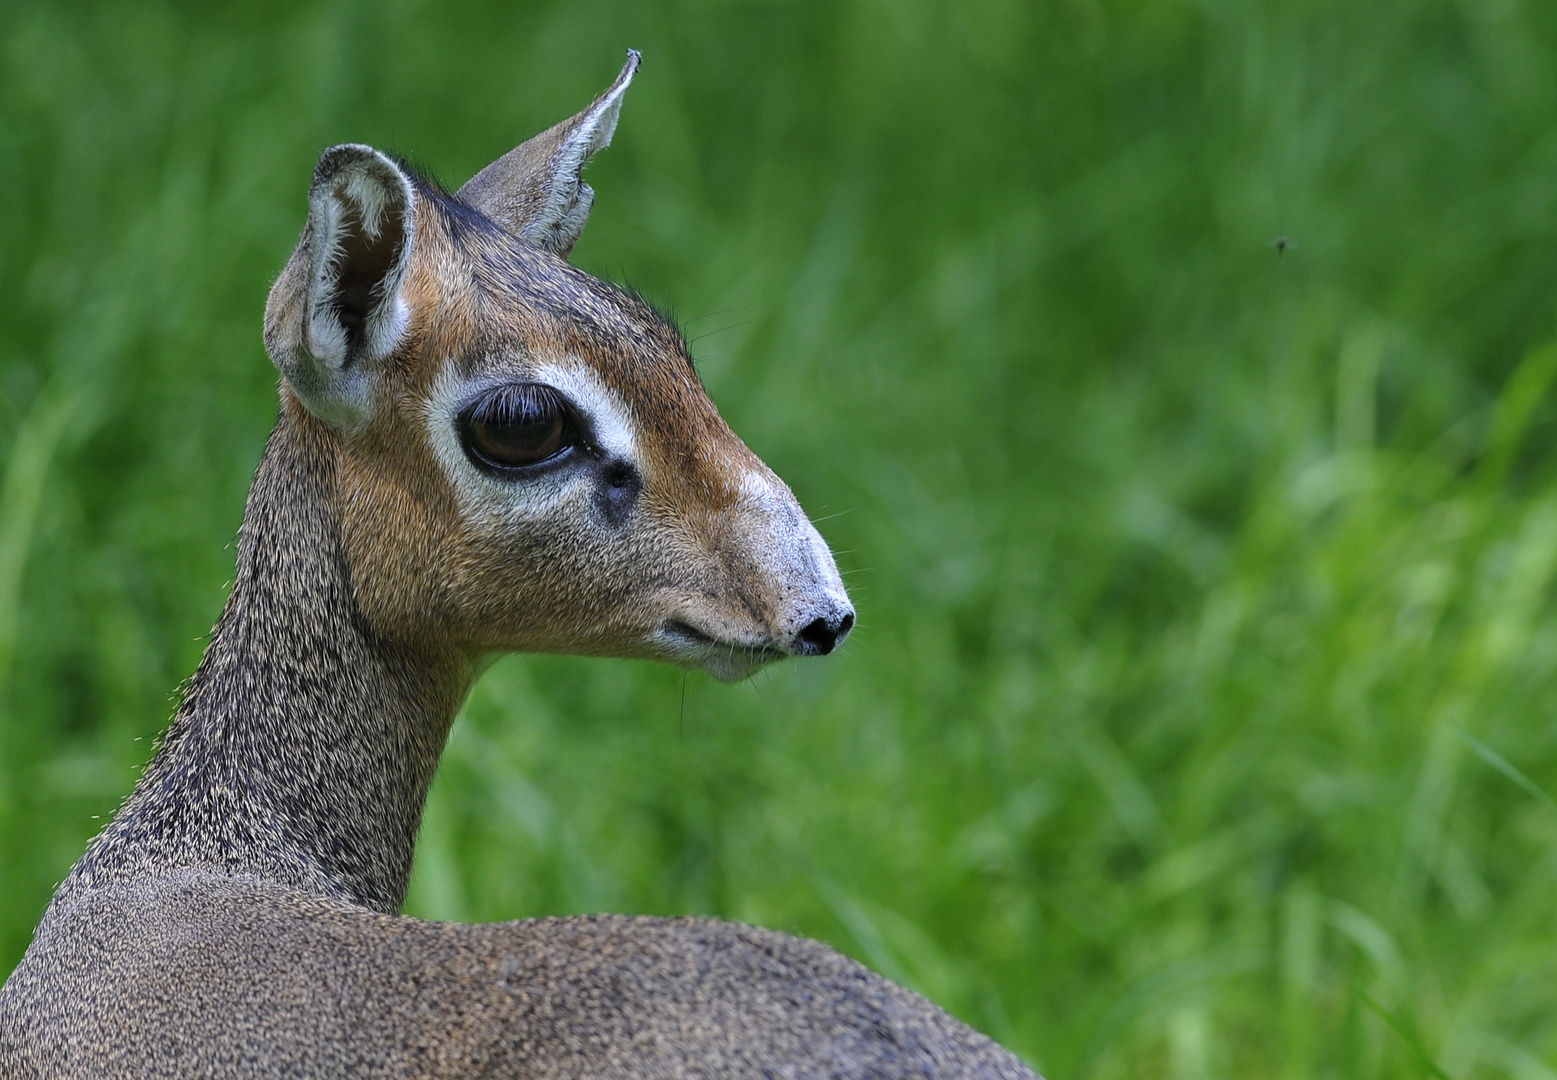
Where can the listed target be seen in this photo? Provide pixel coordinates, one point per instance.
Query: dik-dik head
(525, 457)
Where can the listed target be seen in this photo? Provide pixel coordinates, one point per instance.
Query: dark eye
(516, 425)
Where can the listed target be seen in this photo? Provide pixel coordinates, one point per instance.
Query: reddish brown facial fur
(658, 534)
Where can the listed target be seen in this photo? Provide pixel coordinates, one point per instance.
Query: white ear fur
(567, 210)
(537, 190)
(337, 309)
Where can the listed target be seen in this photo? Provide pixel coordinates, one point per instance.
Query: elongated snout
(809, 601)
(775, 589)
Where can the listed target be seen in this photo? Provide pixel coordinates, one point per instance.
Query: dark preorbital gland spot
(618, 492)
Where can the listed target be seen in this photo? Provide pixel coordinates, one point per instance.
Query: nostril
(821, 636)
(817, 638)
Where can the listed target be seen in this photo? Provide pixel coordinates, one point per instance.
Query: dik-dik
(480, 449)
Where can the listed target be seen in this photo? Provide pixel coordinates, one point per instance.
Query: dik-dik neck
(306, 741)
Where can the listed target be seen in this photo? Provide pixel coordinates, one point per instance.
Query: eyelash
(513, 403)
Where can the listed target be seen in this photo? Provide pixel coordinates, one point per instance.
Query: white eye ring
(604, 425)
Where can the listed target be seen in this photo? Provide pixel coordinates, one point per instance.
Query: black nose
(823, 634)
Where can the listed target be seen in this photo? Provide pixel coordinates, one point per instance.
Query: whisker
(709, 315)
(720, 330)
(835, 514)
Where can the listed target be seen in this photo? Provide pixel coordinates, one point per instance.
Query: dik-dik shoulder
(178, 977)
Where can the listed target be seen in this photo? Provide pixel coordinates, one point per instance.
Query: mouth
(727, 661)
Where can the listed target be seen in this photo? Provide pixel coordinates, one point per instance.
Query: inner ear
(360, 212)
(335, 312)
(367, 252)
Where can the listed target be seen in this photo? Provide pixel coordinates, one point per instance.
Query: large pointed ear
(536, 190)
(336, 308)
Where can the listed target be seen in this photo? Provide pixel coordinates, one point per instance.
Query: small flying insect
(1281, 244)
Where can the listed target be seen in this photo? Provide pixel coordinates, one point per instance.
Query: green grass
(1200, 720)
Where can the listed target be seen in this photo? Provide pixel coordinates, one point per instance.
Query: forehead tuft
(523, 290)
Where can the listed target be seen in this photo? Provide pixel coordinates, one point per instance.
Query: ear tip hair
(342, 156)
(337, 157)
(611, 96)
(347, 151)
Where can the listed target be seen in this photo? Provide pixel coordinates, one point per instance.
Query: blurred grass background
(1200, 720)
